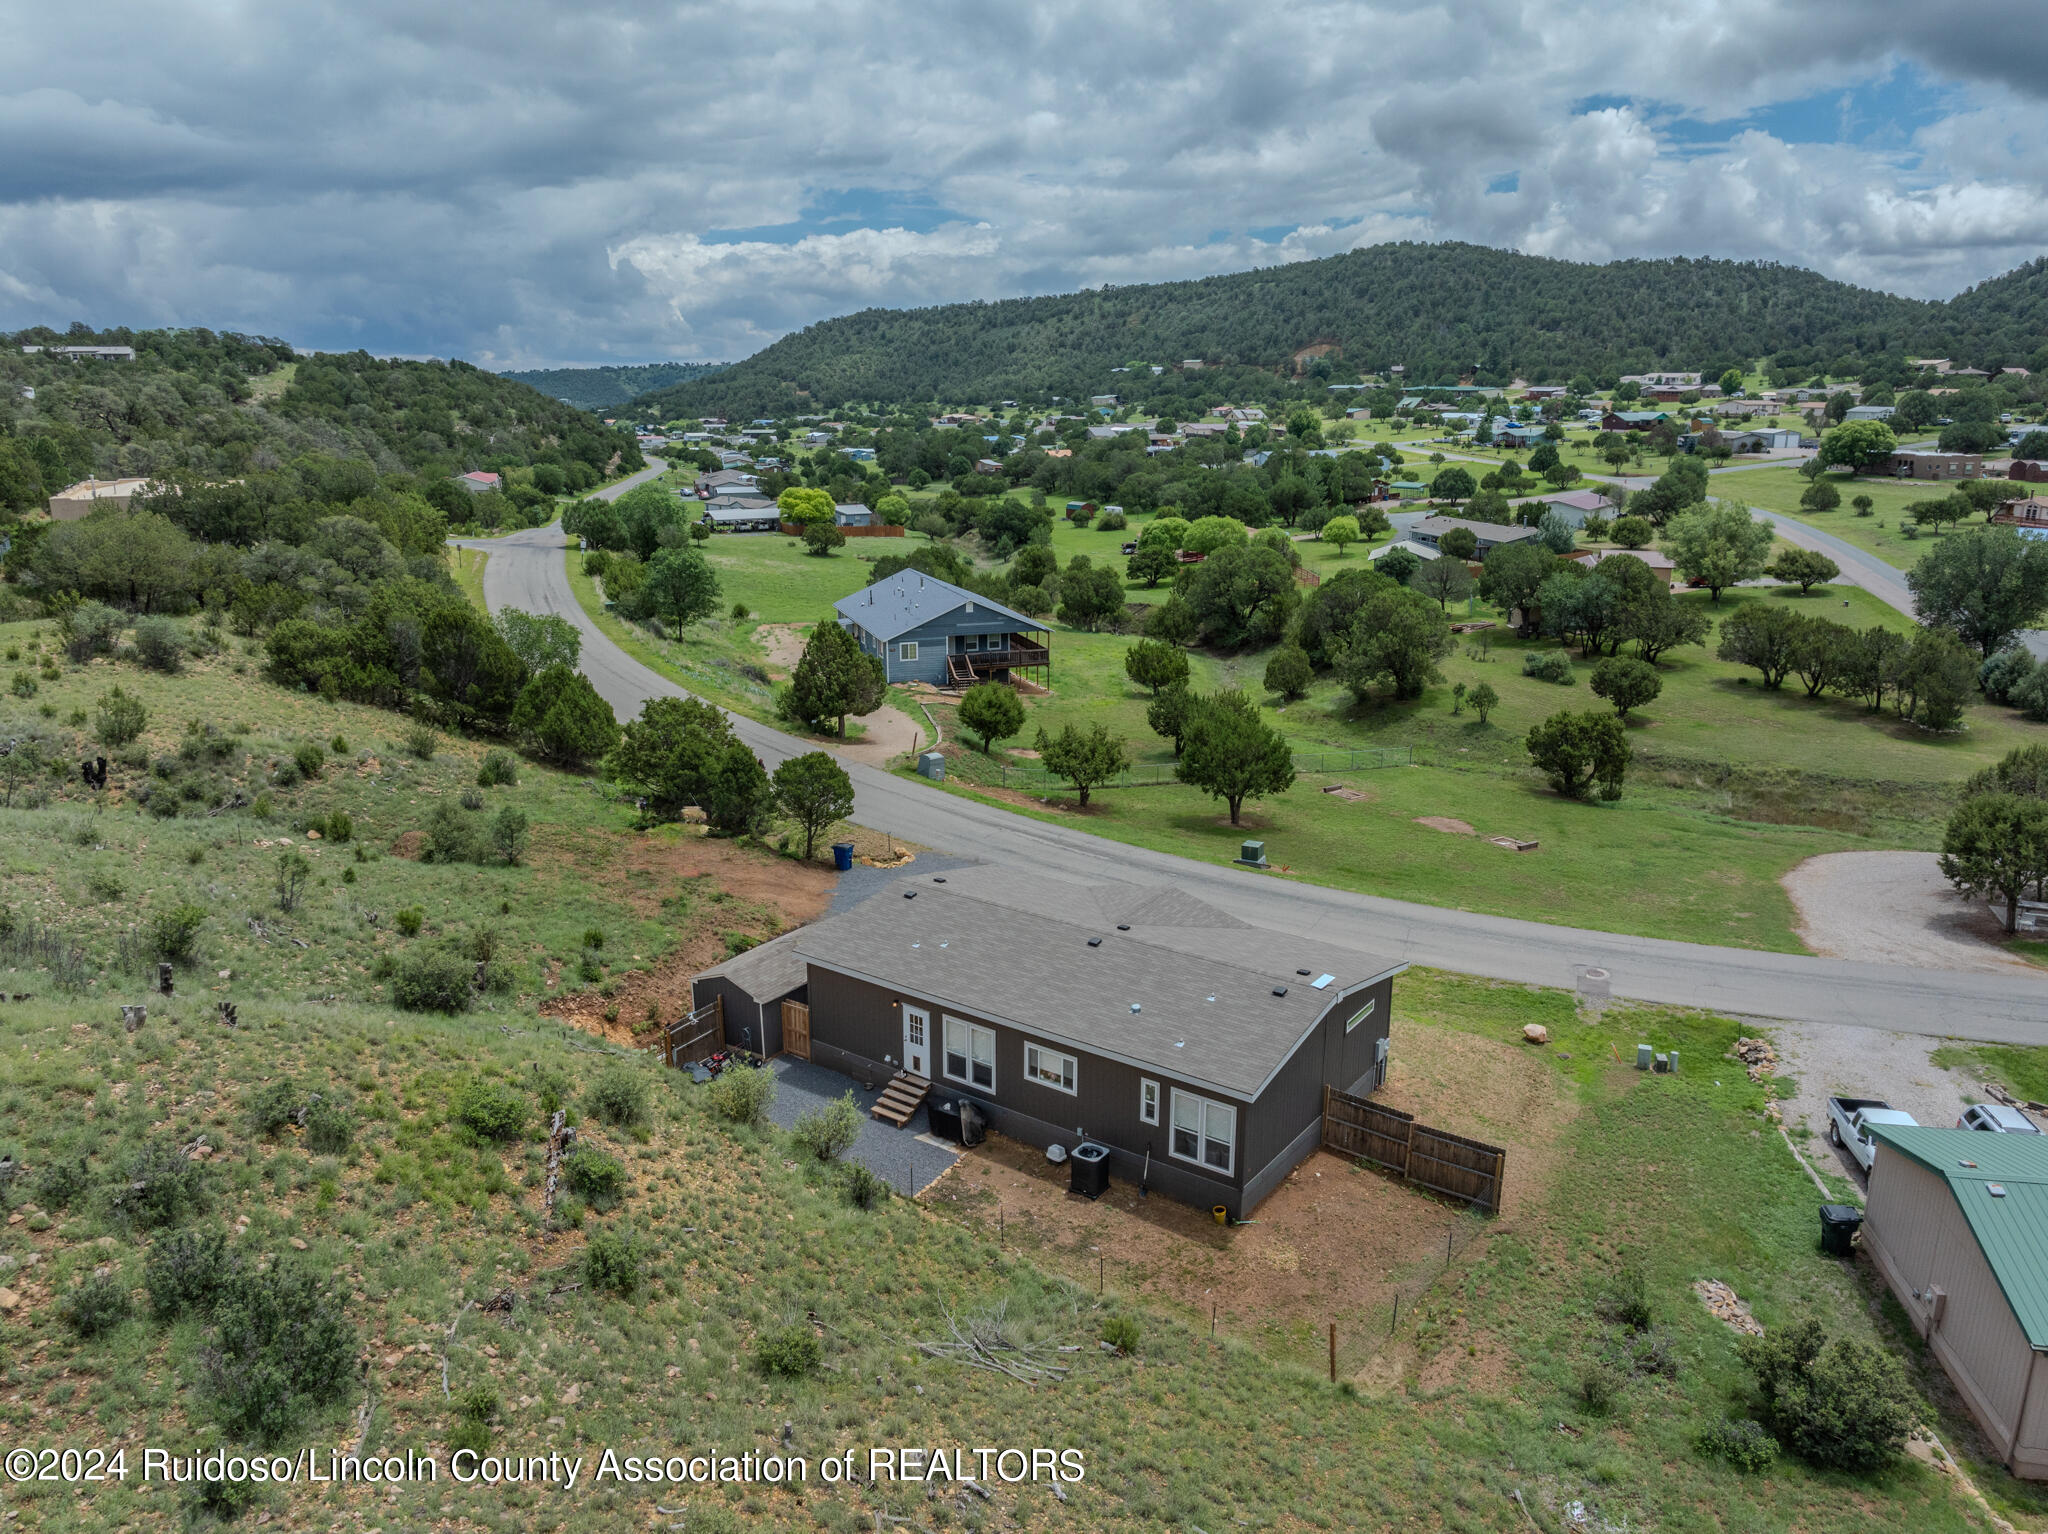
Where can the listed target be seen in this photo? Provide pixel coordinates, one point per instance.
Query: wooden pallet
(900, 1098)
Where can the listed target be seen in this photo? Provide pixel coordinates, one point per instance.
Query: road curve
(527, 570)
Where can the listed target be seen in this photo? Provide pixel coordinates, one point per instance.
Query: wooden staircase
(959, 671)
(900, 1098)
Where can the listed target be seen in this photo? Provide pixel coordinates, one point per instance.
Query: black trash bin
(1088, 1169)
(1838, 1224)
(945, 1117)
(973, 1123)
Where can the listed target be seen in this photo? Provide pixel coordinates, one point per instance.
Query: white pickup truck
(1849, 1119)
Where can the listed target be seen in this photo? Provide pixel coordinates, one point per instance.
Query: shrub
(470, 1434)
(274, 1105)
(865, 1187)
(339, 828)
(23, 685)
(509, 833)
(593, 937)
(499, 768)
(118, 718)
(1289, 673)
(339, 745)
(793, 1351)
(451, 837)
(618, 1096)
(1838, 1403)
(410, 919)
(96, 1306)
(173, 933)
(1626, 1300)
(330, 1126)
(292, 873)
(60, 1182)
(740, 1094)
(91, 630)
(1548, 666)
(829, 1132)
(422, 742)
(281, 1346)
(186, 1272)
(594, 1177)
(611, 1262)
(1744, 1444)
(309, 759)
(1121, 1333)
(1599, 1384)
(286, 775)
(432, 980)
(471, 799)
(1112, 522)
(490, 1109)
(160, 1187)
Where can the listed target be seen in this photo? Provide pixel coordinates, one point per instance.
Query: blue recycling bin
(842, 856)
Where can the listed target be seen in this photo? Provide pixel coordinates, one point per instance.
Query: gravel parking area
(908, 1159)
(1837, 1060)
(1894, 908)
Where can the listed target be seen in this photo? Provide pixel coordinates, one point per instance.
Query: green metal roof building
(1958, 1225)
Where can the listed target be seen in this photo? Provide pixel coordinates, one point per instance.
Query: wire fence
(970, 767)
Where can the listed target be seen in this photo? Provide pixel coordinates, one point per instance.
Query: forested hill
(1439, 311)
(603, 388)
(207, 404)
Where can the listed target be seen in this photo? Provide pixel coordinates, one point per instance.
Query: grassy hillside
(602, 388)
(1441, 311)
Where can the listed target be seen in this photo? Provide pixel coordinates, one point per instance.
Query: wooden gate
(796, 1029)
(1430, 1158)
(695, 1036)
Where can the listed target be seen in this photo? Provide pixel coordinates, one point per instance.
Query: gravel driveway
(1837, 1060)
(1895, 908)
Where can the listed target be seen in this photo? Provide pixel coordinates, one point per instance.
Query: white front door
(917, 1042)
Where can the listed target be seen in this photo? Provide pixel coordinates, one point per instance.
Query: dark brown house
(1194, 1046)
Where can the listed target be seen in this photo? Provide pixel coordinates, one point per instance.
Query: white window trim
(966, 1078)
(1148, 1101)
(1362, 1014)
(1035, 1056)
(907, 650)
(1204, 1107)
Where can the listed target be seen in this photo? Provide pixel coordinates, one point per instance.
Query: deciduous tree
(1804, 568)
(1626, 683)
(1719, 546)
(1982, 585)
(1234, 754)
(1575, 751)
(1085, 758)
(994, 712)
(1152, 664)
(814, 791)
(1996, 846)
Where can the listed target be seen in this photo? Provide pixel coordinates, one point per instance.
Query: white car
(1998, 1119)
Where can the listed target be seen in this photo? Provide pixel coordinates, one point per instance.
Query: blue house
(924, 629)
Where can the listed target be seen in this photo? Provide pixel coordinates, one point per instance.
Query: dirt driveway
(1839, 1060)
(1894, 908)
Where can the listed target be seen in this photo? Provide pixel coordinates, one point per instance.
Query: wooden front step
(900, 1098)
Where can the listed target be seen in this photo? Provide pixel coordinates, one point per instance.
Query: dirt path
(889, 733)
(1894, 908)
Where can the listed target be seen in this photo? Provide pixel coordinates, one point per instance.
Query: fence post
(1333, 1352)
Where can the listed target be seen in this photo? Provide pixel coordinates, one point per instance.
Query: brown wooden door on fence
(796, 1029)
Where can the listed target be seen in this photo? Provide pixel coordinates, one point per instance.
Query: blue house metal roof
(907, 600)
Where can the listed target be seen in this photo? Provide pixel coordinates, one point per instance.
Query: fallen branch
(448, 1337)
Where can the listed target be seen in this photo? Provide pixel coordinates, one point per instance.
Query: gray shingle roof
(899, 603)
(766, 971)
(1016, 950)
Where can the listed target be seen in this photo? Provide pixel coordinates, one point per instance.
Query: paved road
(527, 570)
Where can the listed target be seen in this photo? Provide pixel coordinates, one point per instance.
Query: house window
(1204, 1132)
(1148, 1102)
(1361, 1015)
(971, 642)
(1049, 1068)
(914, 1021)
(907, 650)
(971, 1053)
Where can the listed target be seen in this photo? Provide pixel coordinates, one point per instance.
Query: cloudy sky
(530, 184)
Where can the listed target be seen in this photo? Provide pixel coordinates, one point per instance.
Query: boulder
(1536, 1033)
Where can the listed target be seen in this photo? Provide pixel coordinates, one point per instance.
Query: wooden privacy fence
(1430, 1158)
(693, 1037)
(873, 530)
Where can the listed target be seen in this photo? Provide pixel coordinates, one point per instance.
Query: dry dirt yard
(1894, 908)
(1334, 1241)
(888, 731)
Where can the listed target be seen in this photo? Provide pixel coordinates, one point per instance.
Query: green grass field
(467, 566)
(1880, 533)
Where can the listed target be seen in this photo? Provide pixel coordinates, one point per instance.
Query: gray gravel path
(904, 1159)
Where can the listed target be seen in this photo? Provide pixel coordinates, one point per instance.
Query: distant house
(742, 514)
(924, 629)
(1196, 1048)
(1631, 420)
(1577, 505)
(1957, 1222)
(1911, 464)
(727, 482)
(2032, 470)
(1518, 436)
(1103, 401)
(75, 502)
(1423, 551)
(1660, 564)
(1767, 439)
(1544, 391)
(859, 454)
(1491, 535)
(853, 515)
(2029, 517)
(1869, 413)
(86, 353)
(1678, 381)
(476, 481)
